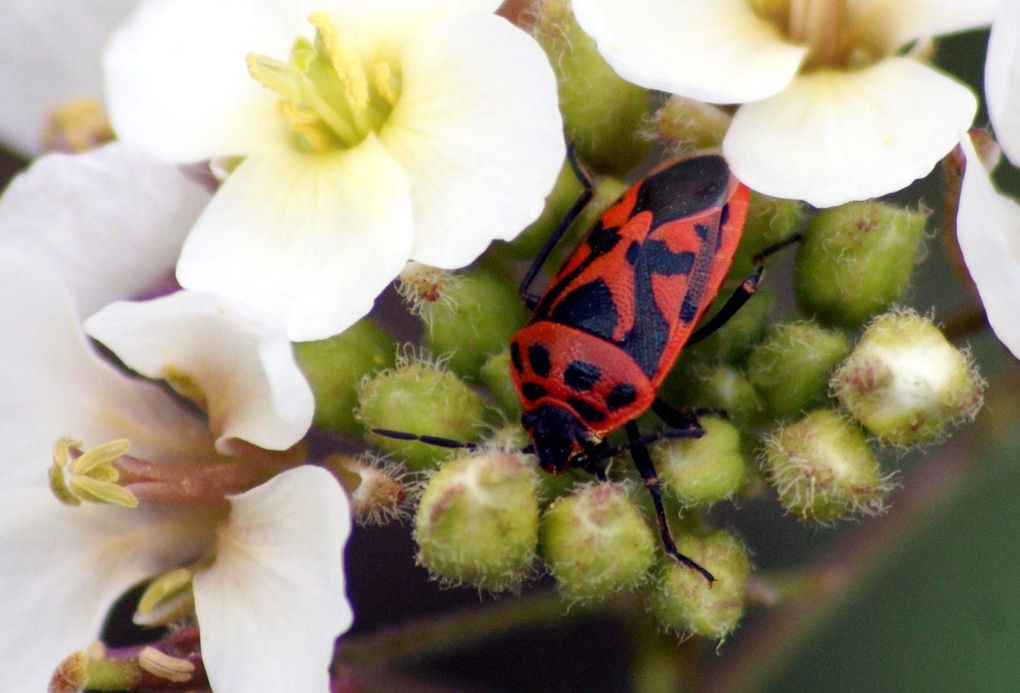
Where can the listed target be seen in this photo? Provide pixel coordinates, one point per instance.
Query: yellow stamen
(184, 385)
(275, 75)
(385, 82)
(100, 455)
(164, 666)
(91, 475)
(344, 59)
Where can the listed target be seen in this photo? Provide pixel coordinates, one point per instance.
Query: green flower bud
(477, 521)
(905, 382)
(684, 601)
(702, 470)
(692, 123)
(603, 114)
(335, 366)
(791, 367)
(596, 542)
(856, 260)
(420, 397)
(747, 327)
(495, 375)
(770, 220)
(823, 468)
(468, 316)
(716, 386)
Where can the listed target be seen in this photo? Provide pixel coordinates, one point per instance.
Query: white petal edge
(717, 51)
(1002, 79)
(833, 137)
(49, 54)
(311, 238)
(240, 359)
(176, 79)
(273, 602)
(56, 386)
(988, 228)
(65, 567)
(892, 24)
(481, 152)
(110, 222)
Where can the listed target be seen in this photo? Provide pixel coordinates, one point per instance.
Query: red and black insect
(611, 323)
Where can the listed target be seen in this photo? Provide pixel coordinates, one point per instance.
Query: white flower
(988, 228)
(831, 112)
(405, 129)
(275, 575)
(1002, 78)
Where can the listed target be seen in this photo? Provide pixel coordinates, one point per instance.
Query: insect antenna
(437, 441)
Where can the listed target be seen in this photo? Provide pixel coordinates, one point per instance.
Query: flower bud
(905, 382)
(335, 366)
(495, 375)
(377, 488)
(468, 316)
(596, 542)
(701, 471)
(603, 114)
(856, 260)
(685, 602)
(691, 123)
(715, 386)
(791, 367)
(477, 520)
(770, 220)
(823, 468)
(422, 398)
(747, 327)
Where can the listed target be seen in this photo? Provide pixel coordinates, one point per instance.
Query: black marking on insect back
(581, 375)
(589, 308)
(600, 240)
(515, 357)
(684, 188)
(724, 215)
(587, 411)
(622, 395)
(633, 252)
(538, 356)
(533, 391)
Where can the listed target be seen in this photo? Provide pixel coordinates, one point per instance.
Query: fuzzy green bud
(685, 602)
(747, 327)
(905, 382)
(770, 220)
(596, 542)
(791, 367)
(823, 468)
(495, 375)
(468, 316)
(715, 386)
(603, 114)
(856, 260)
(422, 398)
(692, 123)
(477, 520)
(335, 366)
(701, 471)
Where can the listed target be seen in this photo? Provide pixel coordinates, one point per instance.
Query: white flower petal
(273, 602)
(718, 51)
(891, 24)
(832, 137)
(110, 221)
(49, 54)
(241, 360)
(64, 567)
(988, 228)
(56, 386)
(312, 238)
(1002, 79)
(481, 151)
(176, 79)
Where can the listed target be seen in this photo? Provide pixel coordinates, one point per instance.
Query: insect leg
(739, 297)
(530, 299)
(643, 462)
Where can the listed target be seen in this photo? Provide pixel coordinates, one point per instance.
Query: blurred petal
(718, 51)
(893, 23)
(312, 238)
(481, 152)
(64, 568)
(176, 79)
(832, 137)
(988, 228)
(273, 602)
(110, 221)
(1002, 79)
(49, 54)
(241, 361)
